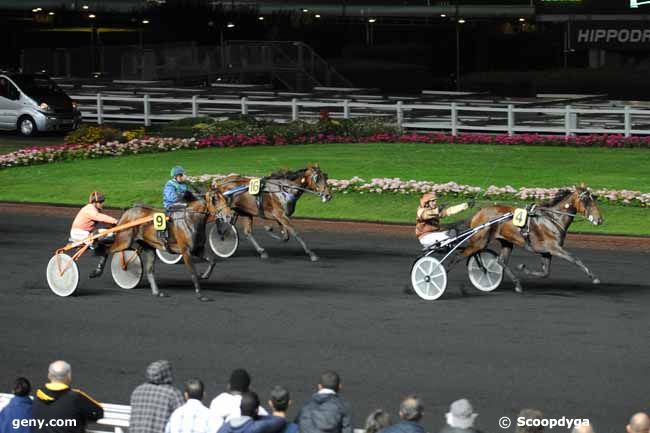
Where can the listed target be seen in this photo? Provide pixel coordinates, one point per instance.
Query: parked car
(33, 103)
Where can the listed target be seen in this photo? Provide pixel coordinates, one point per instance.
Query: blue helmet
(176, 171)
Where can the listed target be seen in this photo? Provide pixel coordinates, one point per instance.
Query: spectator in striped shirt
(193, 416)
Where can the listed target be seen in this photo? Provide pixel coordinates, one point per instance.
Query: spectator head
(240, 381)
(280, 399)
(330, 380)
(411, 408)
(22, 387)
(250, 404)
(532, 414)
(639, 423)
(194, 389)
(583, 428)
(60, 371)
(461, 414)
(376, 421)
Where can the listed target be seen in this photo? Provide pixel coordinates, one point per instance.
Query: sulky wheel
(62, 275)
(169, 258)
(223, 239)
(127, 269)
(428, 278)
(484, 270)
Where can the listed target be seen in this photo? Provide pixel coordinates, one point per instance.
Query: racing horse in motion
(544, 233)
(186, 226)
(276, 201)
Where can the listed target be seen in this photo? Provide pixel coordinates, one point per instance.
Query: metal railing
(451, 117)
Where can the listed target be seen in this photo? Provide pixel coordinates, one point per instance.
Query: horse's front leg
(563, 254)
(546, 267)
(287, 227)
(148, 256)
(212, 261)
(187, 259)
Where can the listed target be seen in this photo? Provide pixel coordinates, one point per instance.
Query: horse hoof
(205, 299)
(161, 295)
(268, 228)
(313, 258)
(518, 289)
(596, 280)
(521, 266)
(264, 255)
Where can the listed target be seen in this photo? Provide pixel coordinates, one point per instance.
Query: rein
(299, 188)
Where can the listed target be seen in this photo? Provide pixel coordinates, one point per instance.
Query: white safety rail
(116, 417)
(453, 117)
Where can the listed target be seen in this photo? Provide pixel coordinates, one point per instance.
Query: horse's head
(585, 203)
(316, 180)
(217, 205)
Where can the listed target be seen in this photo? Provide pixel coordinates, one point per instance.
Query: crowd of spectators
(157, 406)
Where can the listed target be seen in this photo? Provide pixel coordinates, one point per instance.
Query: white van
(33, 102)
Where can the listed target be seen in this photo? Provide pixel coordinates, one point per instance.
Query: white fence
(451, 117)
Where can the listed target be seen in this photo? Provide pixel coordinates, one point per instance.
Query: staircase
(293, 65)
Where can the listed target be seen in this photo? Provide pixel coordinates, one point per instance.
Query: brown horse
(276, 201)
(546, 231)
(186, 227)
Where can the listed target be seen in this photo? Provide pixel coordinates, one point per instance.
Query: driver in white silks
(427, 224)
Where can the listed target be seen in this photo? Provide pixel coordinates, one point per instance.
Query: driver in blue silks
(175, 187)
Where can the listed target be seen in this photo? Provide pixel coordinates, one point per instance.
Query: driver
(84, 225)
(427, 224)
(175, 187)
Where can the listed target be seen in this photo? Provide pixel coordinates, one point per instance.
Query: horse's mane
(288, 174)
(561, 195)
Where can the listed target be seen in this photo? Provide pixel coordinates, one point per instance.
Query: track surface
(567, 347)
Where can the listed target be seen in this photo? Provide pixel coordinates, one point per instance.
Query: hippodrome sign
(613, 35)
(636, 3)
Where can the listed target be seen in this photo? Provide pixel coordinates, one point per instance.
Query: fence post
(627, 116)
(400, 114)
(346, 108)
(147, 110)
(568, 121)
(454, 119)
(511, 119)
(244, 105)
(294, 109)
(100, 109)
(195, 106)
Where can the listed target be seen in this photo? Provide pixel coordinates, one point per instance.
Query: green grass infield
(140, 178)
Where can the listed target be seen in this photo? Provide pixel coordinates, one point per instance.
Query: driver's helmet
(426, 198)
(96, 197)
(177, 170)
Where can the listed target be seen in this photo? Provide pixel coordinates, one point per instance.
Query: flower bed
(44, 155)
(399, 186)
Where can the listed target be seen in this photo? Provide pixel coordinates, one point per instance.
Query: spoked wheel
(428, 278)
(62, 275)
(224, 239)
(484, 271)
(169, 258)
(126, 269)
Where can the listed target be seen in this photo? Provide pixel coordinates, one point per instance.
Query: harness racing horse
(545, 233)
(186, 228)
(276, 201)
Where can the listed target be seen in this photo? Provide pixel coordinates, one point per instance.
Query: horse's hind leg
(247, 223)
(563, 254)
(212, 261)
(148, 257)
(503, 259)
(546, 267)
(187, 258)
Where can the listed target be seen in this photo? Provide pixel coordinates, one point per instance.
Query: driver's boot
(97, 272)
